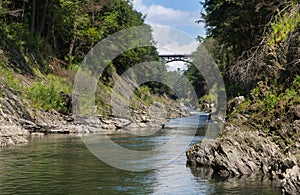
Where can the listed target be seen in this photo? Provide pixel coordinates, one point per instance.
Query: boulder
(294, 112)
(234, 103)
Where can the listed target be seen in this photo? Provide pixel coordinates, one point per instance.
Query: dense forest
(64, 29)
(46, 42)
(256, 46)
(251, 41)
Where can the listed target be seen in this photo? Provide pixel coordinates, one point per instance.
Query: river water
(62, 164)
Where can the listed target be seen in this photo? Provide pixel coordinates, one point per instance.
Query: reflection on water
(64, 165)
(236, 185)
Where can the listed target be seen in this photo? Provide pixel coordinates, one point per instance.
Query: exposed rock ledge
(241, 151)
(11, 135)
(19, 121)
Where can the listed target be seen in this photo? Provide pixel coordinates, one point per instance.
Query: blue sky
(189, 5)
(178, 14)
(169, 18)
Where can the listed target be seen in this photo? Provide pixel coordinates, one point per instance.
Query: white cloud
(175, 48)
(174, 66)
(164, 21)
(171, 41)
(159, 15)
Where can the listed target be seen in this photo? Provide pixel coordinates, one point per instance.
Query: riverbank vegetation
(252, 41)
(256, 46)
(43, 44)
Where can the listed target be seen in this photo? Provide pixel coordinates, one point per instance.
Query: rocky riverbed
(18, 120)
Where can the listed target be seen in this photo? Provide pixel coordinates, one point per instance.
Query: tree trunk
(33, 13)
(43, 18)
(72, 44)
(23, 11)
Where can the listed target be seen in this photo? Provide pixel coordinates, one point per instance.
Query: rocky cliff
(245, 147)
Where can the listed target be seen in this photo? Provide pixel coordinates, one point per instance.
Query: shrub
(46, 95)
(144, 95)
(9, 80)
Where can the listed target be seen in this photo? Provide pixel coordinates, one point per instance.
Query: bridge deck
(176, 57)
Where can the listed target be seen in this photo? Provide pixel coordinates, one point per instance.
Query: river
(62, 164)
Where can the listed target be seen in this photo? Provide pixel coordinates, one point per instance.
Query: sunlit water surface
(64, 165)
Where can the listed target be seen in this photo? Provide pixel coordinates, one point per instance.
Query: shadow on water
(253, 184)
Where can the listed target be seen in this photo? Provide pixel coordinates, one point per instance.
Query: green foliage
(103, 108)
(268, 110)
(66, 30)
(238, 24)
(244, 105)
(87, 29)
(255, 92)
(271, 101)
(212, 97)
(283, 25)
(239, 41)
(292, 93)
(46, 94)
(194, 75)
(255, 44)
(203, 61)
(136, 56)
(12, 34)
(16, 35)
(119, 15)
(143, 95)
(296, 83)
(9, 80)
(69, 28)
(275, 99)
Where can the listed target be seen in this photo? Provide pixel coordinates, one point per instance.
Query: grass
(8, 79)
(46, 94)
(144, 96)
(42, 94)
(268, 111)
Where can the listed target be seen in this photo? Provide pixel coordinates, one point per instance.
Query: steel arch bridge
(167, 58)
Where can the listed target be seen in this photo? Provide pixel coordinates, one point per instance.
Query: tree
(239, 24)
(238, 31)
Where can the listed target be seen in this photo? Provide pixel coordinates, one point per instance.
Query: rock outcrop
(242, 151)
(18, 120)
